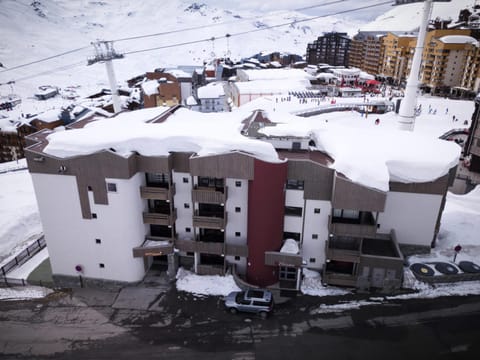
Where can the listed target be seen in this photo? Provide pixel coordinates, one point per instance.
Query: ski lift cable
(198, 27)
(221, 23)
(45, 59)
(255, 30)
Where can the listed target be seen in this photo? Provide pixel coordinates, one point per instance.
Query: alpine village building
(108, 215)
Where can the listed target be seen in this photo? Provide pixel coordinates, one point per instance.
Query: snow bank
(23, 293)
(205, 284)
(312, 285)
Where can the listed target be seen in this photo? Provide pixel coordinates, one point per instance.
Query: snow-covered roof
(458, 39)
(211, 91)
(372, 156)
(271, 86)
(183, 131)
(178, 73)
(273, 74)
(49, 116)
(150, 87)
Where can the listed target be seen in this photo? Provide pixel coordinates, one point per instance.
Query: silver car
(257, 301)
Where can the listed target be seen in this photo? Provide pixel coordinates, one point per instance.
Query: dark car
(257, 301)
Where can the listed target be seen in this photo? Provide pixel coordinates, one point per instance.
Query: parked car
(257, 301)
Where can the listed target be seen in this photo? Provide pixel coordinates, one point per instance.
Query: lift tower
(104, 52)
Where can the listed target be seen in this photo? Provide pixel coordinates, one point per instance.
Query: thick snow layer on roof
(366, 153)
(458, 39)
(49, 116)
(183, 131)
(290, 246)
(271, 86)
(273, 74)
(178, 73)
(150, 87)
(211, 91)
(375, 155)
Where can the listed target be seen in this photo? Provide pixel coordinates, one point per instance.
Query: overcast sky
(319, 7)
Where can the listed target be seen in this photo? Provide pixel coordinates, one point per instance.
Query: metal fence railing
(19, 260)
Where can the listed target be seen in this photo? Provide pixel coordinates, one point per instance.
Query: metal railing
(19, 260)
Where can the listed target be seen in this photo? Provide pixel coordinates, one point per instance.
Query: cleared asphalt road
(154, 321)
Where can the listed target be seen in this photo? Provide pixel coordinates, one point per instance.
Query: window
(190, 253)
(101, 265)
(316, 211)
(237, 209)
(237, 258)
(111, 187)
(89, 188)
(187, 229)
(237, 233)
(295, 184)
(185, 180)
(186, 206)
(293, 211)
(287, 273)
(314, 236)
(98, 241)
(313, 260)
(238, 183)
(94, 216)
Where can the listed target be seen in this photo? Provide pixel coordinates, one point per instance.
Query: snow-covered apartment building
(218, 192)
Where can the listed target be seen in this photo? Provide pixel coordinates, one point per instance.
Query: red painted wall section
(266, 203)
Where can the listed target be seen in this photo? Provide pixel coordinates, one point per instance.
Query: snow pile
(23, 293)
(215, 285)
(290, 246)
(312, 285)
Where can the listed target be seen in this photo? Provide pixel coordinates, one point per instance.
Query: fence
(19, 260)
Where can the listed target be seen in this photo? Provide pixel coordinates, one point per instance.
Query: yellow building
(398, 51)
(447, 57)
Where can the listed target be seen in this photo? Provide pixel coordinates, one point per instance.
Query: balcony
(210, 269)
(343, 249)
(208, 221)
(363, 226)
(212, 248)
(153, 248)
(236, 250)
(160, 219)
(339, 279)
(209, 195)
(157, 192)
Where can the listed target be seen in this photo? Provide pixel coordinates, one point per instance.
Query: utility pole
(104, 52)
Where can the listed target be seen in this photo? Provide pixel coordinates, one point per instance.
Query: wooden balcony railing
(203, 269)
(339, 279)
(208, 222)
(209, 195)
(157, 193)
(343, 228)
(160, 219)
